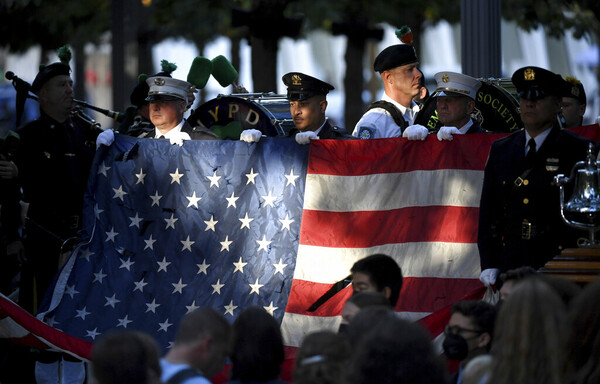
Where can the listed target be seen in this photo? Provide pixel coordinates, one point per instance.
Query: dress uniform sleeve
(489, 239)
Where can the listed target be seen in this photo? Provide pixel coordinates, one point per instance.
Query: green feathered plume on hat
(405, 34)
(142, 78)
(64, 54)
(167, 67)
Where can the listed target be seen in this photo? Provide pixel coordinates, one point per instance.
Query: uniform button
(525, 182)
(503, 182)
(525, 201)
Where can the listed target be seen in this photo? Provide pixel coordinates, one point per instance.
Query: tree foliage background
(51, 24)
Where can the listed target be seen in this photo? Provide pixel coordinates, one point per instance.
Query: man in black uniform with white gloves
(519, 213)
(308, 102)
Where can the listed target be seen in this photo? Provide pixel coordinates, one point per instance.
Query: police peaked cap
(395, 56)
(535, 83)
(302, 87)
(47, 73)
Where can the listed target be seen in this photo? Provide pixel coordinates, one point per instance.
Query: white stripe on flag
(380, 192)
(328, 265)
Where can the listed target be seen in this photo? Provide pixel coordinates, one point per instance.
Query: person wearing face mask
(469, 333)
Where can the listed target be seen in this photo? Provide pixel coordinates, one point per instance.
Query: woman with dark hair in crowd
(529, 340)
(257, 348)
(583, 346)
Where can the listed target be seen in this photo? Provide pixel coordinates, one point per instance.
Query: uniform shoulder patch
(366, 133)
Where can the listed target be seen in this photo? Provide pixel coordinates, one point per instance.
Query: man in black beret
(308, 102)
(54, 157)
(394, 114)
(573, 103)
(519, 212)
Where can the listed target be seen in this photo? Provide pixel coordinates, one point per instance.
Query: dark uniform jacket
(519, 213)
(54, 161)
(475, 128)
(327, 132)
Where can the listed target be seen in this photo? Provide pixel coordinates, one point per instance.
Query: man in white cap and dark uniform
(168, 99)
(455, 97)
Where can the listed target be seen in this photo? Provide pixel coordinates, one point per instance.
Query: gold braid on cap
(572, 80)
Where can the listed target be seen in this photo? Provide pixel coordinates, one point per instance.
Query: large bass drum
(228, 116)
(496, 108)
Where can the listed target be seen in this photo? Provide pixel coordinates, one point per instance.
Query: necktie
(163, 136)
(531, 152)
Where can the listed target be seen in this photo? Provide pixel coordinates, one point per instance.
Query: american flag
(417, 201)
(170, 229)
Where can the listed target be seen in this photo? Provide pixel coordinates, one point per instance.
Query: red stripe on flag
(365, 157)
(436, 322)
(419, 294)
(40, 334)
(360, 229)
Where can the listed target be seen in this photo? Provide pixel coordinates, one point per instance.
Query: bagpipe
(23, 89)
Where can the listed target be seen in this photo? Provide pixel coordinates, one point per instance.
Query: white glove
(251, 135)
(178, 138)
(445, 133)
(106, 137)
(415, 132)
(488, 276)
(306, 137)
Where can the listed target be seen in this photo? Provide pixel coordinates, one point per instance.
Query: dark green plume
(64, 54)
(167, 67)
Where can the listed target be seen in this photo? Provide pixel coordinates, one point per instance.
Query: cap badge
(529, 74)
(296, 80)
(445, 78)
(575, 91)
(159, 81)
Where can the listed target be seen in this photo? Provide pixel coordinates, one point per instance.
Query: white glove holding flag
(415, 132)
(178, 138)
(488, 276)
(306, 137)
(445, 133)
(106, 137)
(251, 135)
